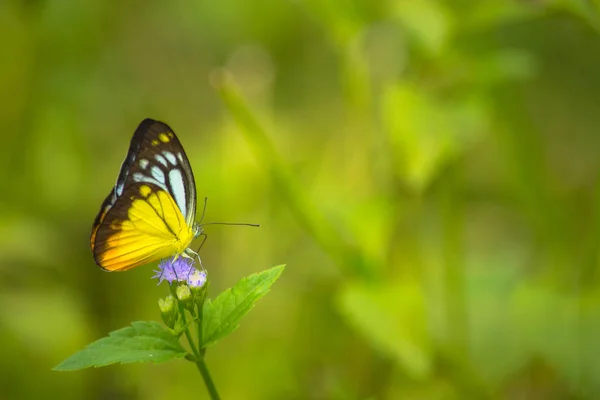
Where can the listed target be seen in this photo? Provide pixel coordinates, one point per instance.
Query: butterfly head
(197, 229)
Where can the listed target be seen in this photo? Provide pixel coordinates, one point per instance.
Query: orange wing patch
(142, 226)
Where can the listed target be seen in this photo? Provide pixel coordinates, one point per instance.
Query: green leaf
(144, 341)
(222, 316)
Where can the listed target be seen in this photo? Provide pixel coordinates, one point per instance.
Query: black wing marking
(151, 157)
(148, 153)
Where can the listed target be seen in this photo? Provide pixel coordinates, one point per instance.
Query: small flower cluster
(188, 288)
(180, 270)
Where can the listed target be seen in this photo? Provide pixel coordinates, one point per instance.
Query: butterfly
(150, 212)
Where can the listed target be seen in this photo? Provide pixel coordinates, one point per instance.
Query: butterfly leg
(195, 254)
(190, 254)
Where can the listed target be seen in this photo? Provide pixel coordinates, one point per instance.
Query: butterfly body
(150, 212)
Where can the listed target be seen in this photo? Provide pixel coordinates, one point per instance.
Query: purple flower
(180, 270)
(197, 279)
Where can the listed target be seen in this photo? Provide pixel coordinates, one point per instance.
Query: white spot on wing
(138, 177)
(157, 174)
(176, 180)
(180, 156)
(143, 163)
(161, 160)
(170, 157)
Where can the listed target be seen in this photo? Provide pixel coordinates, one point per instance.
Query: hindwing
(143, 225)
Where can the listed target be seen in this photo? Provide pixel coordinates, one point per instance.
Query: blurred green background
(428, 170)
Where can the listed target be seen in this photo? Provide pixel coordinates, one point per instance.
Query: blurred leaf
(393, 319)
(488, 15)
(588, 11)
(426, 133)
(355, 74)
(142, 342)
(326, 234)
(562, 327)
(427, 22)
(222, 316)
(371, 222)
(341, 18)
(385, 50)
(495, 348)
(503, 66)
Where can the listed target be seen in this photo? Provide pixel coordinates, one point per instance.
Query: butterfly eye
(197, 229)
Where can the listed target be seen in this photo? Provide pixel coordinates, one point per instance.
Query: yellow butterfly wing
(150, 212)
(143, 225)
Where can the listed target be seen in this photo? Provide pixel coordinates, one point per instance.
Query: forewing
(143, 225)
(156, 156)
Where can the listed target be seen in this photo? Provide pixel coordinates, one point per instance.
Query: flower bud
(168, 311)
(184, 295)
(198, 284)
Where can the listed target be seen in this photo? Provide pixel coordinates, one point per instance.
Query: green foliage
(428, 169)
(392, 318)
(427, 22)
(150, 342)
(426, 133)
(222, 316)
(143, 341)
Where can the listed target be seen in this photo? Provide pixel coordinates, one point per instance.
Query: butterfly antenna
(221, 223)
(203, 210)
(232, 223)
(205, 236)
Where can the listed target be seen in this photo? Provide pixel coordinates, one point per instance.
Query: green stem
(199, 355)
(199, 313)
(212, 390)
(187, 332)
(210, 386)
